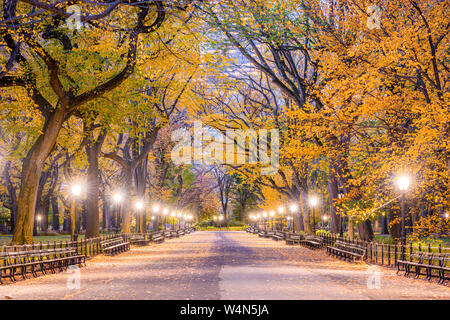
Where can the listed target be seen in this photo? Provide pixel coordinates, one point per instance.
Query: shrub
(322, 232)
(205, 223)
(236, 223)
(424, 242)
(47, 233)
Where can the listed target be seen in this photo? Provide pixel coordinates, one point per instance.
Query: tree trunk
(40, 210)
(155, 224)
(45, 212)
(75, 223)
(66, 221)
(306, 212)
(299, 220)
(93, 148)
(242, 214)
(384, 225)
(335, 220)
(409, 221)
(92, 212)
(351, 230)
(126, 222)
(394, 225)
(31, 173)
(11, 193)
(108, 217)
(55, 213)
(365, 231)
(140, 178)
(83, 217)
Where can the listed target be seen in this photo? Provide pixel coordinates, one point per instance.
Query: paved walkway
(225, 265)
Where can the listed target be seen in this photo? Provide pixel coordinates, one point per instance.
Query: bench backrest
(112, 240)
(431, 258)
(24, 257)
(314, 238)
(350, 247)
(108, 243)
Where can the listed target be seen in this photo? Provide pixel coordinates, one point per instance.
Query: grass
(386, 239)
(5, 239)
(383, 238)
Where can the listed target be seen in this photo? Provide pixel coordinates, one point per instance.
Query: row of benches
(114, 246)
(291, 238)
(21, 263)
(177, 233)
(346, 251)
(252, 230)
(339, 249)
(142, 240)
(41, 261)
(274, 234)
(118, 245)
(312, 242)
(277, 235)
(429, 264)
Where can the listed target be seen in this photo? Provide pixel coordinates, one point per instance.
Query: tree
(57, 91)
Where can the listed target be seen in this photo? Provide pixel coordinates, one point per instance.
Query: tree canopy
(357, 93)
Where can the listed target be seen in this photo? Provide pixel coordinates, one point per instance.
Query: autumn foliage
(358, 91)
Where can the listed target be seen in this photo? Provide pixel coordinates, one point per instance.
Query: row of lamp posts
(271, 216)
(164, 212)
(403, 183)
(313, 201)
(117, 198)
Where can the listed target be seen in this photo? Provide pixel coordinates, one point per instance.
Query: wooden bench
(21, 263)
(180, 232)
(189, 230)
(139, 240)
(269, 234)
(114, 246)
(168, 234)
(293, 238)
(312, 242)
(429, 262)
(252, 230)
(278, 235)
(346, 251)
(157, 237)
